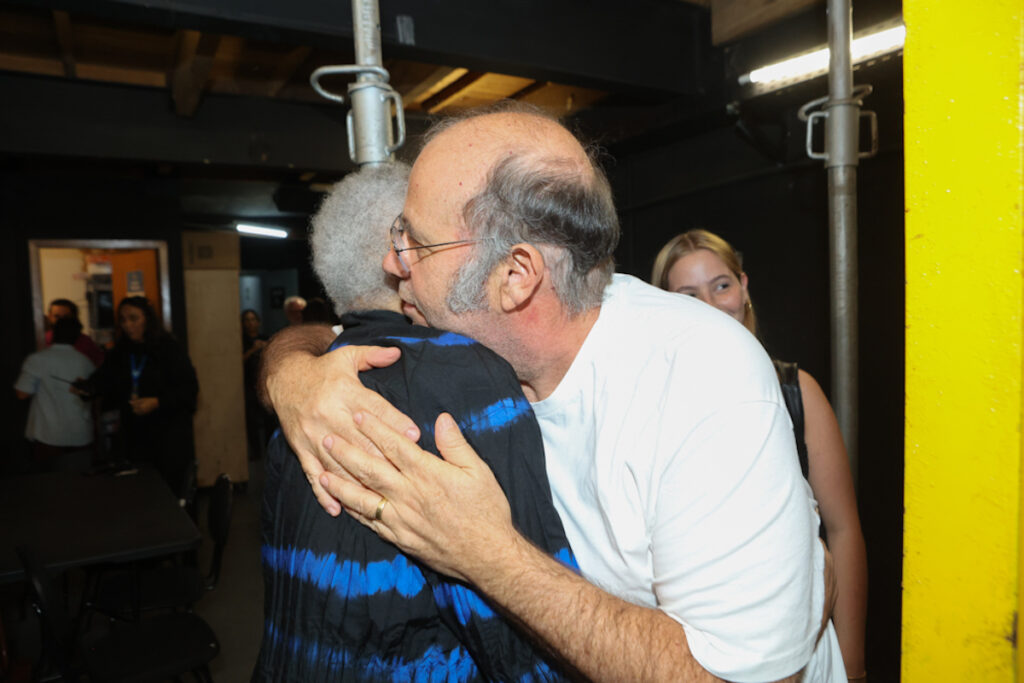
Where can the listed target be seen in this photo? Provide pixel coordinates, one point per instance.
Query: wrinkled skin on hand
(314, 396)
(442, 511)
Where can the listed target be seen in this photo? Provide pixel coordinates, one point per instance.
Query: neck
(546, 347)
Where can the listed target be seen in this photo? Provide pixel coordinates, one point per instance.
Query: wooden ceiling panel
(189, 63)
(121, 47)
(192, 66)
(732, 19)
(40, 66)
(27, 32)
(286, 68)
(416, 81)
(226, 59)
(110, 73)
(498, 86)
(561, 100)
(433, 88)
(485, 89)
(65, 40)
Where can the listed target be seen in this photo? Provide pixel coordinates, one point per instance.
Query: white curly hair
(349, 237)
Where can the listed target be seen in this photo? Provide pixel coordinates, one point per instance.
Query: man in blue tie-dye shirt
(340, 603)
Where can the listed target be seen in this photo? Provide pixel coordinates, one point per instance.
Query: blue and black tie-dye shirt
(343, 605)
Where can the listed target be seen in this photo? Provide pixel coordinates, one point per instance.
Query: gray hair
(563, 210)
(349, 236)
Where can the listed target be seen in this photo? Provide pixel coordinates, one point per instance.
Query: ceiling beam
(286, 68)
(62, 26)
(192, 70)
(416, 82)
(639, 46)
(58, 117)
(732, 19)
(451, 91)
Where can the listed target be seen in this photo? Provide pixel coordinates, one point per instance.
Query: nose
(393, 266)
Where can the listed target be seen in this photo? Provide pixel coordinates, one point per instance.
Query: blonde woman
(701, 264)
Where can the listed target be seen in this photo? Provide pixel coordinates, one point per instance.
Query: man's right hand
(314, 396)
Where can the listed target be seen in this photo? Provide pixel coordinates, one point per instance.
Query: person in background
(293, 307)
(59, 422)
(253, 342)
(65, 308)
(148, 377)
(701, 264)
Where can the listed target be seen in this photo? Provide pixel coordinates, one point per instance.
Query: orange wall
(123, 262)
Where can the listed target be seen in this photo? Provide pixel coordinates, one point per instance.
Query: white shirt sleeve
(28, 380)
(731, 545)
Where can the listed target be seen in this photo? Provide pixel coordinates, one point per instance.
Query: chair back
(56, 624)
(219, 519)
(187, 493)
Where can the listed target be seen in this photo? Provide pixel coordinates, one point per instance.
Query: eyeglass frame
(397, 229)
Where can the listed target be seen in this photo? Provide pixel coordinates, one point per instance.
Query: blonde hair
(689, 242)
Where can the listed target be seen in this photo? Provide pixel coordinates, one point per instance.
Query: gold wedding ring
(380, 508)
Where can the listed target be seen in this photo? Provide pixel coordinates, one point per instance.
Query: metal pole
(371, 137)
(841, 146)
(371, 108)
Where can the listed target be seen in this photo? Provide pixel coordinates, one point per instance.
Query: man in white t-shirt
(58, 420)
(669, 450)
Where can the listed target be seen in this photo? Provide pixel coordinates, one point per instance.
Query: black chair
(126, 593)
(138, 652)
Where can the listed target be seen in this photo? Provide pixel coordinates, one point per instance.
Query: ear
(743, 282)
(520, 276)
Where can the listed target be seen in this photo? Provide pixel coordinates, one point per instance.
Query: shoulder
(83, 361)
(691, 340)
(809, 387)
(816, 404)
(635, 308)
(86, 341)
(35, 359)
(419, 343)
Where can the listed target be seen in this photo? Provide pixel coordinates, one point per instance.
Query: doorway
(96, 275)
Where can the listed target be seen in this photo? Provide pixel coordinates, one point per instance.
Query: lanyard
(136, 373)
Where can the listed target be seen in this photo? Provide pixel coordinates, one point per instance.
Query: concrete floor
(234, 609)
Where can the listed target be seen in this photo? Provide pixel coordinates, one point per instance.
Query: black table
(74, 520)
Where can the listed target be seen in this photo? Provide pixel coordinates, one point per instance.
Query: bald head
(513, 177)
(462, 151)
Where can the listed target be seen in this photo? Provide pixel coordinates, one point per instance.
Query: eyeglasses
(399, 243)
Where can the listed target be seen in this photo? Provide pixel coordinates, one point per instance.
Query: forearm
(595, 633)
(850, 612)
(292, 344)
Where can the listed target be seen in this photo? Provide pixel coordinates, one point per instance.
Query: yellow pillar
(965, 341)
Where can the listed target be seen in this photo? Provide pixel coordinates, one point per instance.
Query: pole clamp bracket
(378, 79)
(816, 110)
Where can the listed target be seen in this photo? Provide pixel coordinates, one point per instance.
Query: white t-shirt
(56, 417)
(673, 466)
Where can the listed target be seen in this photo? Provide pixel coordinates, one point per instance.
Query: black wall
(748, 180)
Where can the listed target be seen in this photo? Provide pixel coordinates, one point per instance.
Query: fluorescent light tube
(261, 231)
(807, 66)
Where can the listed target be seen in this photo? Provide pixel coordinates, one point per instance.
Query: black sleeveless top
(790, 382)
